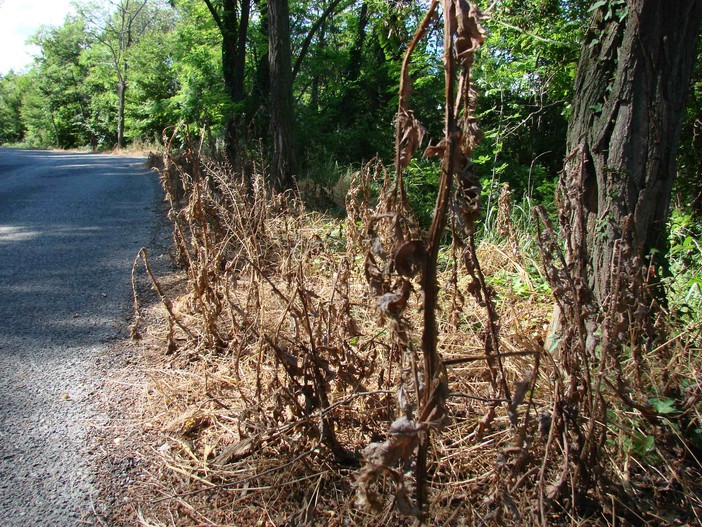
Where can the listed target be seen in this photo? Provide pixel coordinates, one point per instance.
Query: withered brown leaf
(411, 133)
(409, 258)
(394, 302)
(469, 32)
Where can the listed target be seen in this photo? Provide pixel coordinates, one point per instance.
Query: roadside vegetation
(274, 369)
(416, 281)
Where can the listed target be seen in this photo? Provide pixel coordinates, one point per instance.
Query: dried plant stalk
(417, 255)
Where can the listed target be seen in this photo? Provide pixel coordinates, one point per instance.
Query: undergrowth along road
(70, 226)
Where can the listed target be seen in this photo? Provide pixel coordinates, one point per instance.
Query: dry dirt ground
(127, 445)
(124, 466)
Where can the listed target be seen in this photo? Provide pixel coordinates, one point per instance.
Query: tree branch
(534, 36)
(313, 30)
(215, 15)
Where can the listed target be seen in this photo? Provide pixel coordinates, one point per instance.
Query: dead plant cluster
(296, 376)
(368, 373)
(295, 370)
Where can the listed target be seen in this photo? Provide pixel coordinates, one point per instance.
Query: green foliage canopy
(346, 60)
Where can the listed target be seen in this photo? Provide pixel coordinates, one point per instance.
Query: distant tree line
(313, 85)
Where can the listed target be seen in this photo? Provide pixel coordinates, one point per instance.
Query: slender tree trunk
(121, 102)
(126, 42)
(631, 86)
(229, 28)
(240, 55)
(237, 123)
(282, 117)
(257, 112)
(353, 71)
(356, 53)
(314, 90)
(57, 140)
(233, 27)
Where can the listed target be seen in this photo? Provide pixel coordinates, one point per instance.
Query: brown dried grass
(286, 373)
(329, 373)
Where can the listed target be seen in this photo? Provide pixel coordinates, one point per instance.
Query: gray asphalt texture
(70, 227)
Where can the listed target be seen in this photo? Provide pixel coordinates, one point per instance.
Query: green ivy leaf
(663, 406)
(597, 5)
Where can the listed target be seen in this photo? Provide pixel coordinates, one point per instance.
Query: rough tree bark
(615, 191)
(631, 85)
(282, 117)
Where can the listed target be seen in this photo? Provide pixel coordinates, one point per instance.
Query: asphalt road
(70, 228)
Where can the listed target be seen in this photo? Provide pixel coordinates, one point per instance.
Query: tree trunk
(121, 101)
(257, 111)
(615, 190)
(632, 81)
(282, 119)
(314, 90)
(353, 71)
(233, 27)
(240, 55)
(229, 29)
(356, 53)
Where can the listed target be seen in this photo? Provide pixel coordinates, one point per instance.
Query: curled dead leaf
(409, 258)
(392, 303)
(374, 276)
(378, 460)
(411, 135)
(437, 150)
(469, 32)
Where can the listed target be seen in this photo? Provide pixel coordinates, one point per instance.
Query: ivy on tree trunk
(615, 190)
(631, 85)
